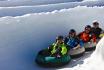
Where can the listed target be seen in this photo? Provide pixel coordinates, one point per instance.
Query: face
(60, 41)
(96, 25)
(87, 30)
(72, 34)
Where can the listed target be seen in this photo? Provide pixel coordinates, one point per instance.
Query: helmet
(87, 26)
(72, 31)
(95, 23)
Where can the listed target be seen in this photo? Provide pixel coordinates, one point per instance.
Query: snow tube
(89, 46)
(75, 53)
(43, 59)
(97, 40)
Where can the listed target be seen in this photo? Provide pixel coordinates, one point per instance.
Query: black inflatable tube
(77, 55)
(90, 48)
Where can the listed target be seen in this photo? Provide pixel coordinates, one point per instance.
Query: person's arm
(80, 36)
(50, 47)
(101, 30)
(81, 43)
(78, 46)
(66, 40)
(102, 34)
(64, 50)
(94, 39)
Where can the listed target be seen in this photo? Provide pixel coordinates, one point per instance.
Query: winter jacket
(60, 49)
(96, 31)
(86, 37)
(73, 42)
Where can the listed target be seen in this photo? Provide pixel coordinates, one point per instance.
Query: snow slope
(94, 62)
(21, 10)
(22, 37)
(91, 0)
(11, 3)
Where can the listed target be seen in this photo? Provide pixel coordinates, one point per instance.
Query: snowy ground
(21, 37)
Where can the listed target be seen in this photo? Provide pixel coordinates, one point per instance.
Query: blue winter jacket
(73, 42)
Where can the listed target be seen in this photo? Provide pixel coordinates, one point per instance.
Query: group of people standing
(75, 41)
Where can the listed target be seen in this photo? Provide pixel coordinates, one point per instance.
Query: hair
(87, 26)
(60, 37)
(72, 31)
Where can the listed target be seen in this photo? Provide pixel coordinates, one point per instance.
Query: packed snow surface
(22, 37)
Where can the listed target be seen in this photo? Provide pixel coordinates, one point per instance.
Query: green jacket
(62, 46)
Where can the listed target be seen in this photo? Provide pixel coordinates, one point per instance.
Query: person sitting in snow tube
(96, 30)
(88, 38)
(56, 55)
(101, 35)
(75, 44)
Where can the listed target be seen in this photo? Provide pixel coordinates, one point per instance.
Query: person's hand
(58, 56)
(95, 43)
(78, 46)
(91, 40)
(48, 47)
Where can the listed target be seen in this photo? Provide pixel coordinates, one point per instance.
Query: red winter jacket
(86, 37)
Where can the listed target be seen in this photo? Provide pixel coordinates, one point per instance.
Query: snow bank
(15, 3)
(21, 10)
(90, 0)
(22, 37)
(9, 3)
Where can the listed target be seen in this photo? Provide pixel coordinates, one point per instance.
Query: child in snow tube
(58, 48)
(55, 55)
(75, 44)
(88, 38)
(96, 29)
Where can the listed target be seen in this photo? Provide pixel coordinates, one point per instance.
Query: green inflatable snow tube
(49, 61)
